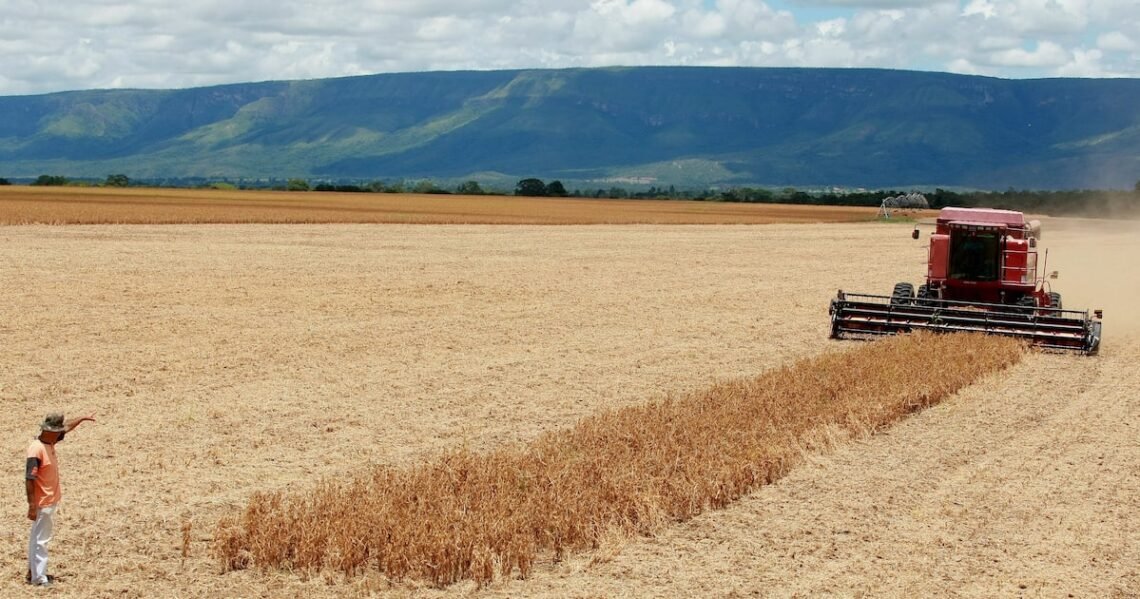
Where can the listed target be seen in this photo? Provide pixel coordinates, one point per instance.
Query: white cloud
(1084, 63)
(704, 24)
(991, 43)
(832, 28)
(1046, 54)
(983, 8)
(878, 27)
(1036, 17)
(162, 43)
(1116, 41)
(873, 4)
(962, 66)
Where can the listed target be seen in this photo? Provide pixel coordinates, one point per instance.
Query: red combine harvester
(981, 277)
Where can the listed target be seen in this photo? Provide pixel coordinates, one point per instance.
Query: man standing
(41, 478)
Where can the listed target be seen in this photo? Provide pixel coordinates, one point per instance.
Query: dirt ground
(225, 359)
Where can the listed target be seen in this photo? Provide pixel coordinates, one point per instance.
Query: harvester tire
(1054, 300)
(922, 296)
(903, 294)
(1027, 304)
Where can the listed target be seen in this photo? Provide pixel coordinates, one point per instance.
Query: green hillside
(753, 126)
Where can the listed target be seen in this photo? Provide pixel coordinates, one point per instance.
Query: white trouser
(37, 544)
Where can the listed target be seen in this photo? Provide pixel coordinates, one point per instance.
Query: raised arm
(71, 423)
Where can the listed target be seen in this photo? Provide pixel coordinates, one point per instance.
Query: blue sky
(69, 45)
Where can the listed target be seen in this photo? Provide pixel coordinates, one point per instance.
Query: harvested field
(622, 472)
(76, 205)
(224, 360)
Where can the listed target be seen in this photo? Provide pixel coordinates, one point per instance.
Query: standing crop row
(476, 516)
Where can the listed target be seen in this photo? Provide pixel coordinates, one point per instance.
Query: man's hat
(53, 423)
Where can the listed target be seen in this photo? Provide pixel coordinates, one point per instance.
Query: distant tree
(762, 195)
(1136, 188)
(425, 186)
(556, 189)
(4, 181)
(530, 187)
(50, 180)
(297, 185)
(749, 194)
(470, 188)
(117, 180)
(790, 195)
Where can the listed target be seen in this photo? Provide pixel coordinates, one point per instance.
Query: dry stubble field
(225, 359)
(21, 205)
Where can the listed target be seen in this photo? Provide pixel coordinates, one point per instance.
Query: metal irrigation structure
(909, 201)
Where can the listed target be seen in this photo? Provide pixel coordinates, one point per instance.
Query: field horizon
(21, 205)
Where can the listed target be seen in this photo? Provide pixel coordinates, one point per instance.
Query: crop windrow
(629, 471)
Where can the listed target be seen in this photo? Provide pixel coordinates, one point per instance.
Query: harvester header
(982, 276)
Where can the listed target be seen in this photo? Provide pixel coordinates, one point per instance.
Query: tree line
(116, 180)
(1083, 202)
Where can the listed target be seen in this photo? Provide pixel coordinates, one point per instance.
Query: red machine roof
(987, 216)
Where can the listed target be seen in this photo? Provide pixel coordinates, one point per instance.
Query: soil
(222, 360)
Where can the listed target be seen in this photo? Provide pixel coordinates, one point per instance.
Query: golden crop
(476, 516)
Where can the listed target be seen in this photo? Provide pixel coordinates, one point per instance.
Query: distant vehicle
(981, 277)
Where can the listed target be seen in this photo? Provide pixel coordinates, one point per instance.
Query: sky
(58, 45)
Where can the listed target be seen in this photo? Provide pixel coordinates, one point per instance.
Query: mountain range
(694, 126)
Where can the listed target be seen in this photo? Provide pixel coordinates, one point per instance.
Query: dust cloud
(1098, 263)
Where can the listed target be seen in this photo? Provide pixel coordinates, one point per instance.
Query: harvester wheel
(903, 294)
(1027, 304)
(1054, 300)
(922, 296)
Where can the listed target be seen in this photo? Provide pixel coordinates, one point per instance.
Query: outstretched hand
(74, 422)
